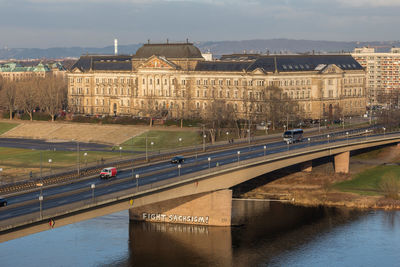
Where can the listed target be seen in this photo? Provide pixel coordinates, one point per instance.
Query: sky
(95, 23)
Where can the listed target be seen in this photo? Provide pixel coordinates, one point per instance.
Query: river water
(266, 234)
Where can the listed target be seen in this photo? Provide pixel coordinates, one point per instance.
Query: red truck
(108, 172)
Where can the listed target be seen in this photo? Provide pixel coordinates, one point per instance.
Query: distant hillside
(217, 48)
(63, 52)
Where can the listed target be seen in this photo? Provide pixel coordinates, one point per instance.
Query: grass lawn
(163, 140)
(367, 182)
(28, 159)
(6, 126)
(373, 154)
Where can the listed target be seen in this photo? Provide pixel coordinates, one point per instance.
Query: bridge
(196, 192)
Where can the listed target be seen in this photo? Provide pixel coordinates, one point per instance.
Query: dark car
(177, 159)
(3, 202)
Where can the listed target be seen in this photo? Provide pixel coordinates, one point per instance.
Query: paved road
(149, 174)
(48, 145)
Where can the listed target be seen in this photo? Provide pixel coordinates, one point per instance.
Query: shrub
(390, 186)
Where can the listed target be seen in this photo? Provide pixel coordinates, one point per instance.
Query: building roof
(280, 63)
(169, 50)
(240, 57)
(283, 63)
(103, 62)
(17, 67)
(223, 65)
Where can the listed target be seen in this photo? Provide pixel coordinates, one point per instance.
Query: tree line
(48, 95)
(269, 105)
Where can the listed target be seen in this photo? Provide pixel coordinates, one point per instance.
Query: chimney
(115, 46)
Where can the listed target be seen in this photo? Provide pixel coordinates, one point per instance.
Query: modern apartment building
(175, 79)
(382, 71)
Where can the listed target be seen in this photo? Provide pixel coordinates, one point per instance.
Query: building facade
(175, 80)
(382, 71)
(14, 71)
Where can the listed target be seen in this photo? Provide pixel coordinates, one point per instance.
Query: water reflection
(266, 229)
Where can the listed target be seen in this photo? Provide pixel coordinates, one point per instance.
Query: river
(265, 234)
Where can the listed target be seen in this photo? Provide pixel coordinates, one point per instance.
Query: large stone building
(382, 71)
(14, 71)
(175, 80)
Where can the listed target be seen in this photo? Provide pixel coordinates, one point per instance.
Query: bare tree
(277, 107)
(53, 95)
(218, 117)
(8, 96)
(27, 96)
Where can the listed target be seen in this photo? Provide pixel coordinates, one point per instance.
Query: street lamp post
(328, 138)
(120, 151)
(347, 137)
(209, 162)
(265, 150)
(41, 164)
(180, 141)
(343, 121)
(40, 206)
(50, 160)
(248, 131)
(366, 134)
(85, 156)
(204, 142)
(93, 186)
(238, 155)
(151, 144)
(384, 129)
(227, 136)
(179, 169)
(78, 159)
(137, 181)
(309, 141)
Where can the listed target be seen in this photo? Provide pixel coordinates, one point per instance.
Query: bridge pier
(342, 162)
(211, 208)
(306, 166)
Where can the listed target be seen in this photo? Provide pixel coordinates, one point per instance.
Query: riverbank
(324, 187)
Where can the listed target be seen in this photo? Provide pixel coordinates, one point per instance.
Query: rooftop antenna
(167, 40)
(115, 46)
(148, 41)
(187, 40)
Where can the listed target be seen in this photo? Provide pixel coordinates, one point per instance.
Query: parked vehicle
(293, 136)
(3, 202)
(178, 159)
(108, 172)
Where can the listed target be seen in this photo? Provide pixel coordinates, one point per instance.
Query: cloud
(370, 3)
